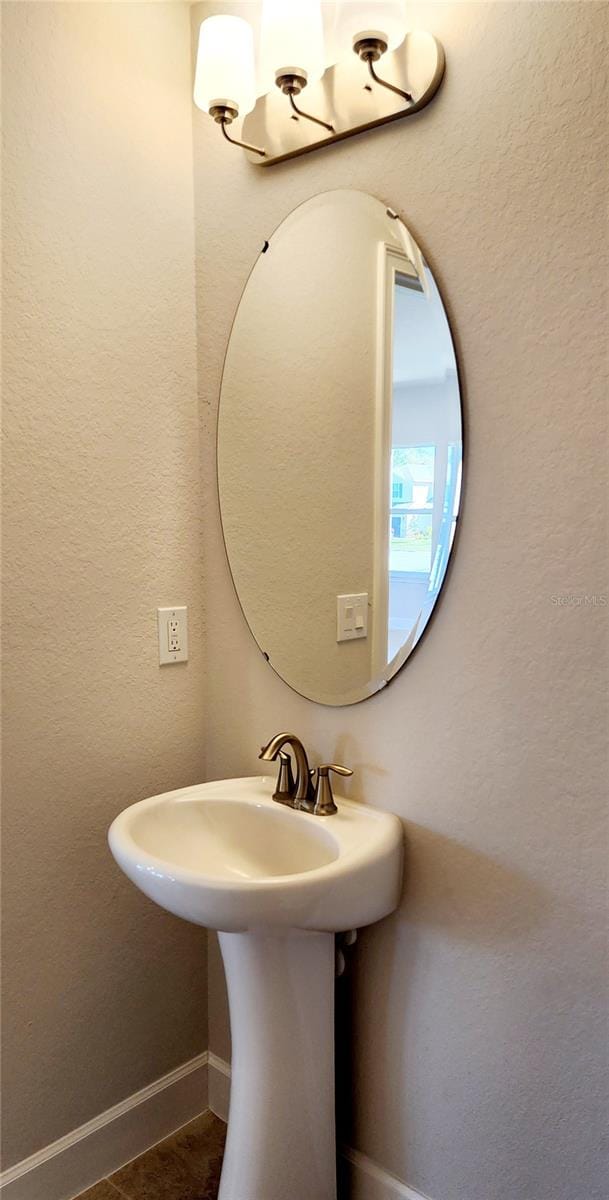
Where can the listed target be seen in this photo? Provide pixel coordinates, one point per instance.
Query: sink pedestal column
(281, 1142)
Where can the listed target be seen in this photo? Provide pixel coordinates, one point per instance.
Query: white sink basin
(226, 855)
(277, 884)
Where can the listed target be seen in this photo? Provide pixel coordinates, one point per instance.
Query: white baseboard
(218, 1074)
(78, 1160)
(362, 1179)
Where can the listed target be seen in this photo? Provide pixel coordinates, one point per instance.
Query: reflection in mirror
(424, 456)
(339, 447)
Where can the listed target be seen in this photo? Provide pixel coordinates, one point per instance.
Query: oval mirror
(339, 447)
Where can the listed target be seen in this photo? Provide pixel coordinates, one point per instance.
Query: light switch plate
(351, 616)
(173, 634)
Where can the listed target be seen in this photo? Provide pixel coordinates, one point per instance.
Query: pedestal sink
(277, 884)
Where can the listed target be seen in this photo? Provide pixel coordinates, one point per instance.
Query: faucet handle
(285, 779)
(324, 804)
(284, 789)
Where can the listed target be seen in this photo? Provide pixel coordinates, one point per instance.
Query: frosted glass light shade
(291, 40)
(371, 18)
(225, 65)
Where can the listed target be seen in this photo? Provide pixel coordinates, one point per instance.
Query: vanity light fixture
(292, 41)
(375, 29)
(341, 101)
(225, 78)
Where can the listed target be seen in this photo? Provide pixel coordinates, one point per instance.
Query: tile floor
(186, 1166)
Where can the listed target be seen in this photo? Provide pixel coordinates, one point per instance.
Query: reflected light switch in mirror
(351, 617)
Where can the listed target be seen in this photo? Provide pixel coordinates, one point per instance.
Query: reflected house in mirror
(339, 447)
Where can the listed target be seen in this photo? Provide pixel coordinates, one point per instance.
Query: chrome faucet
(300, 794)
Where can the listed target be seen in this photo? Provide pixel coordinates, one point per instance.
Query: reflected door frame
(391, 262)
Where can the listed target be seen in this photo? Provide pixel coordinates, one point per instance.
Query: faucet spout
(303, 790)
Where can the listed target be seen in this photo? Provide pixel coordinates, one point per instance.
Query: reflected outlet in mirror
(339, 446)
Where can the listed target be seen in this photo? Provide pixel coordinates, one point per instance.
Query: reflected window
(412, 486)
(425, 470)
(450, 512)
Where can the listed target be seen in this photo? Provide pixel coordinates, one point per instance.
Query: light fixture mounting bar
(349, 99)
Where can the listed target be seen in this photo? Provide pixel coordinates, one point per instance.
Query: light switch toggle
(351, 617)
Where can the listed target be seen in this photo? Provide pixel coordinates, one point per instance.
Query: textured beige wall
(103, 992)
(476, 1047)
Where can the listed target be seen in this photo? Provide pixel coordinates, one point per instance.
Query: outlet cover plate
(173, 634)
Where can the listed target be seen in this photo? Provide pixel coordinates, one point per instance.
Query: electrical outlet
(173, 634)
